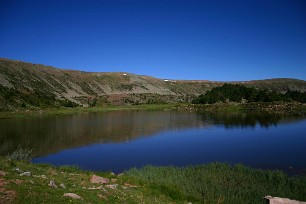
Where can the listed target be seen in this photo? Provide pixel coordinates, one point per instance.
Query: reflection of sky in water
(120, 140)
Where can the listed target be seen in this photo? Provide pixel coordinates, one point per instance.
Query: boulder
(98, 179)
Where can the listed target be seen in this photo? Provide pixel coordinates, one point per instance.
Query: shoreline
(24, 182)
(268, 107)
(67, 111)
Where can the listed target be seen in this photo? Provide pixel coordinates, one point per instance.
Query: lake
(119, 140)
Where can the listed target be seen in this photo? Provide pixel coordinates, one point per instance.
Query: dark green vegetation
(27, 86)
(211, 183)
(238, 93)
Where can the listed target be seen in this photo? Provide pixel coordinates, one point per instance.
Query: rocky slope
(27, 85)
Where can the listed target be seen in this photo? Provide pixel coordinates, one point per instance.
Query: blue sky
(180, 39)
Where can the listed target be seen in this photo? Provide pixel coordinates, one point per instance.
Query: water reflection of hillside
(52, 134)
(248, 119)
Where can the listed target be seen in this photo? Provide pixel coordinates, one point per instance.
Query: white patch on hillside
(5, 82)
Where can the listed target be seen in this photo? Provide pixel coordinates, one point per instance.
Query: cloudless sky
(222, 40)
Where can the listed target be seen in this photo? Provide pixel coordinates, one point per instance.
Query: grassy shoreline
(67, 111)
(209, 183)
(270, 107)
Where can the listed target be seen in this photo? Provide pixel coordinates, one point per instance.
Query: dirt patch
(6, 196)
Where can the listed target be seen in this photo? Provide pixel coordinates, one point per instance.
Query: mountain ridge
(24, 84)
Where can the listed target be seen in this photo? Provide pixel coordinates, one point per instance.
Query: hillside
(27, 85)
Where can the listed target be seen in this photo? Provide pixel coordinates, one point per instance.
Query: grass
(210, 183)
(219, 183)
(35, 189)
(65, 111)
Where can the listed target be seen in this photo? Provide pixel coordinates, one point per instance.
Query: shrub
(20, 154)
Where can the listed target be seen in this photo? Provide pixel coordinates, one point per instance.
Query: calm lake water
(116, 141)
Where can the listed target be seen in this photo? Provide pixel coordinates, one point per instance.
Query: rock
(27, 173)
(114, 180)
(3, 173)
(98, 179)
(62, 185)
(113, 174)
(277, 200)
(72, 195)
(18, 170)
(112, 186)
(52, 184)
(121, 174)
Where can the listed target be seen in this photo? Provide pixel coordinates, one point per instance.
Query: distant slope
(33, 85)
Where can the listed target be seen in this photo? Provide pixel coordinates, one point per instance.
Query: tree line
(239, 93)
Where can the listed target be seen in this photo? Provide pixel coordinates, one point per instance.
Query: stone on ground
(27, 173)
(52, 184)
(72, 195)
(277, 200)
(112, 186)
(98, 179)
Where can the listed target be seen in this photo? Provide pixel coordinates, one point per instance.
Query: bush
(20, 155)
